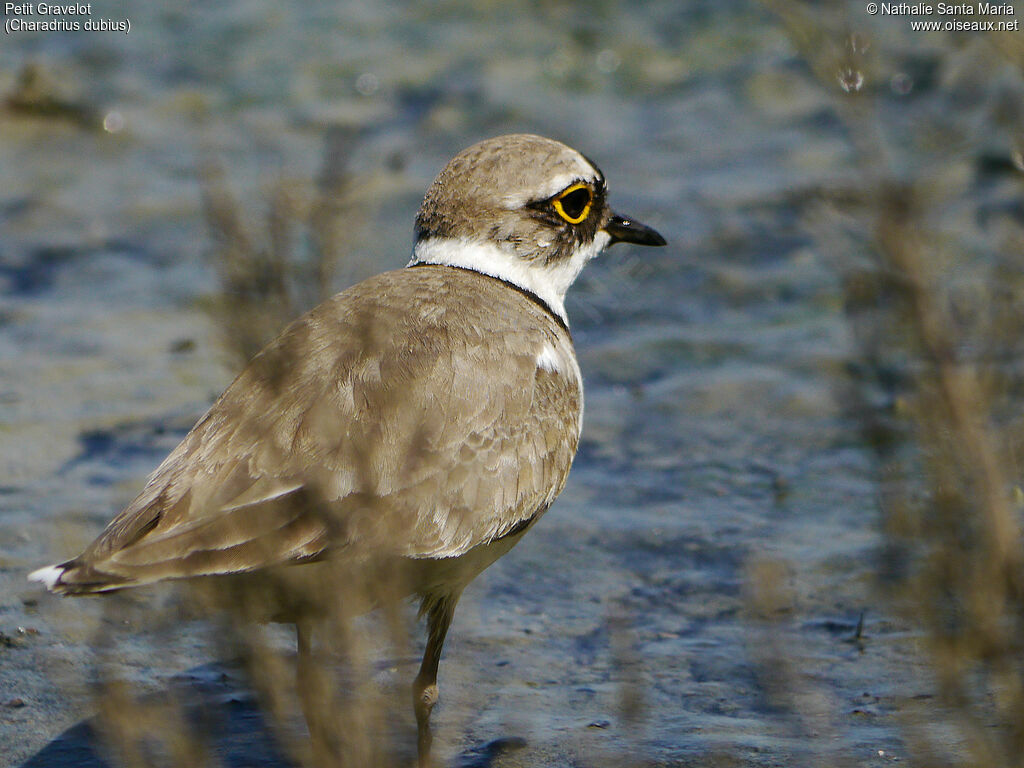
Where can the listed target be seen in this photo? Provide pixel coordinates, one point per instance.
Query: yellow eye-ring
(573, 203)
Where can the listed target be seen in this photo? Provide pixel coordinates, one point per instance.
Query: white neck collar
(547, 283)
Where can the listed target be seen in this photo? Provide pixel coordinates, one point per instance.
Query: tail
(71, 579)
(50, 577)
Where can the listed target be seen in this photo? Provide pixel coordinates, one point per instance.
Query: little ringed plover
(427, 416)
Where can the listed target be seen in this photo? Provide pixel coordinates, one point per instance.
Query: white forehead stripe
(553, 186)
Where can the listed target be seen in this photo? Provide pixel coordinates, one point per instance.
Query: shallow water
(714, 448)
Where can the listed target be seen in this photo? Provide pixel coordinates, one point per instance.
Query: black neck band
(518, 288)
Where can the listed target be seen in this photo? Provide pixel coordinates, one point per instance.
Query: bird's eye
(573, 203)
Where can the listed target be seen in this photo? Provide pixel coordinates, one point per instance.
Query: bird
(426, 417)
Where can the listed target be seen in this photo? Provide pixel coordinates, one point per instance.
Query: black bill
(625, 230)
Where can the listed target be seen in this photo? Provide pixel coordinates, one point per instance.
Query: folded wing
(363, 429)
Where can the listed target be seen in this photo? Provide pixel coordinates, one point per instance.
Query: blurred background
(791, 533)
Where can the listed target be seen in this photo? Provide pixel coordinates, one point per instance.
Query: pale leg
(424, 688)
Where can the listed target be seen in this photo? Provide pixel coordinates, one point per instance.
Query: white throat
(548, 283)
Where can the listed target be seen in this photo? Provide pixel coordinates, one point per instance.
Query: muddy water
(714, 453)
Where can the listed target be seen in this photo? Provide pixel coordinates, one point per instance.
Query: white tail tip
(50, 575)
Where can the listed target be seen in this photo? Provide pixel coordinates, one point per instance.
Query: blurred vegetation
(269, 280)
(37, 95)
(928, 242)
